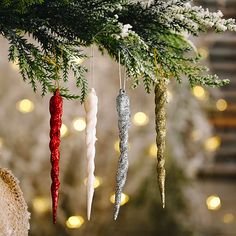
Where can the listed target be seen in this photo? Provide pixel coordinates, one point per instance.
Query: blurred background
(200, 154)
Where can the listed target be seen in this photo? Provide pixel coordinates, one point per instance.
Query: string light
(228, 218)
(212, 144)
(97, 182)
(25, 106)
(41, 204)
(221, 105)
(74, 222)
(153, 150)
(199, 92)
(140, 119)
(124, 199)
(79, 124)
(64, 130)
(213, 202)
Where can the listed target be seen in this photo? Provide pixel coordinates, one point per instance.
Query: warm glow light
(153, 150)
(97, 182)
(74, 222)
(196, 135)
(140, 119)
(169, 96)
(221, 105)
(117, 146)
(211, 144)
(124, 199)
(25, 106)
(78, 60)
(15, 66)
(203, 52)
(213, 202)
(1, 142)
(228, 218)
(79, 124)
(199, 92)
(64, 130)
(41, 204)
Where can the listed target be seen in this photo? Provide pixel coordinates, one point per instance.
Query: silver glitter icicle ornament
(123, 109)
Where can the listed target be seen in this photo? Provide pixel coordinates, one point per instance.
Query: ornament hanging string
(120, 75)
(92, 66)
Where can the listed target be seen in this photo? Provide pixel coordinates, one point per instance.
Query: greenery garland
(135, 29)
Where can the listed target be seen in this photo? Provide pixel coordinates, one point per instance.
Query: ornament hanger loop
(92, 65)
(120, 76)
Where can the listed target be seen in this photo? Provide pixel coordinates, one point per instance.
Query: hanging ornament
(160, 118)
(123, 109)
(55, 108)
(91, 120)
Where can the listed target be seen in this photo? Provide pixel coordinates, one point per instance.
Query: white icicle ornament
(91, 108)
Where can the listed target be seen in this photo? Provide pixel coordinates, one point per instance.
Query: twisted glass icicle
(55, 108)
(91, 121)
(123, 109)
(160, 117)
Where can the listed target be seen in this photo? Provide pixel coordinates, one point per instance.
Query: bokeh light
(140, 119)
(64, 130)
(97, 182)
(169, 96)
(153, 150)
(212, 143)
(79, 124)
(78, 60)
(228, 218)
(196, 135)
(199, 92)
(15, 66)
(204, 52)
(117, 146)
(41, 204)
(213, 202)
(221, 105)
(1, 142)
(25, 106)
(124, 199)
(74, 222)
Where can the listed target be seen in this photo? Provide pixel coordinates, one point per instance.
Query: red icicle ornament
(55, 108)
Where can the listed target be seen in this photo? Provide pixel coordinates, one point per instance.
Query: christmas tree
(151, 40)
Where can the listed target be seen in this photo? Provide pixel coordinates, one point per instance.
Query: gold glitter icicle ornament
(160, 119)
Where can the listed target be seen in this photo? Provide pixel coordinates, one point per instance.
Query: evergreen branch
(134, 29)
